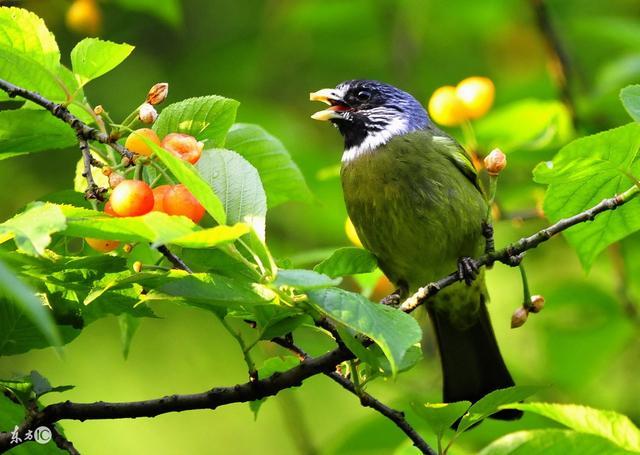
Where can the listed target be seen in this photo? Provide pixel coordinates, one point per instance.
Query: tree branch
(60, 111)
(510, 253)
(397, 417)
(93, 191)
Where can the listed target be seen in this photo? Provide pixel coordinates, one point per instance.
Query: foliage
(53, 286)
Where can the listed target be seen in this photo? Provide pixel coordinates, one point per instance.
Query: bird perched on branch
(416, 203)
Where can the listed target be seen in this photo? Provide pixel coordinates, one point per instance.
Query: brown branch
(60, 111)
(175, 260)
(62, 442)
(367, 400)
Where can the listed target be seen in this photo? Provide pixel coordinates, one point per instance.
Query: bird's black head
(369, 113)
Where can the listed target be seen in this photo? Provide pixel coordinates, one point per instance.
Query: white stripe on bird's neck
(374, 140)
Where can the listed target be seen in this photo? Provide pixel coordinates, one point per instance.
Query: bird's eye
(363, 95)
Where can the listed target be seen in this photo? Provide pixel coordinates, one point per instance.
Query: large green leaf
(92, 57)
(394, 331)
(207, 118)
(237, 183)
(492, 402)
(29, 54)
(552, 442)
(189, 177)
(15, 292)
(608, 424)
(280, 175)
(27, 130)
(32, 229)
(347, 261)
(585, 172)
(525, 125)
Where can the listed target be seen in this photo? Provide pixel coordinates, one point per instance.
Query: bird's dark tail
(471, 362)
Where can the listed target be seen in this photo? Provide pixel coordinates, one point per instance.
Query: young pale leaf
(26, 130)
(585, 172)
(29, 54)
(630, 97)
(271, 366)
(304, 279)
(552, 442)
(92, 57)
(238, 185)
(608, 424)
(491, 403)
(280, 175)
(347, 261)
(526, 125)
(394, 331)
(80, 182)
(32, 228)
(188, 175)
(26, 302)
(440, 416)
(156, 227)
(207, 118)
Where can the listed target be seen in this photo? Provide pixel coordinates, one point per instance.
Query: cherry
(179, 201)
(131, 198)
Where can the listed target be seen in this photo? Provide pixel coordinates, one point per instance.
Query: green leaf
(237, 183)
(552, 442)
(206, 290)
(155, 227)
(280, 175)
(608, 424)
(526, 125)
(268, 368)
(207, 118)
(92, 57)
(188, 175)
(29, 54)
(394, 331)
(304, 279)
(440, 416)
(128, 326)
(347, 261)
(215, 236)
(32, 228)
(585, 172)
(26, 130)
(630, 97)
(491, 403)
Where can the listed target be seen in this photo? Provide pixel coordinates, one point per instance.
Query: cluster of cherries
(137, 198)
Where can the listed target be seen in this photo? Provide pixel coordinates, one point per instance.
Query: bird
(416, 202)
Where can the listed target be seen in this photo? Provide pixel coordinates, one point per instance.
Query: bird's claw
(467, 270)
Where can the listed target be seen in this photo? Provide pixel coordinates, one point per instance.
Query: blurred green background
(269, 54)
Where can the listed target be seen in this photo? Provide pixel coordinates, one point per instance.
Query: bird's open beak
(333, 99)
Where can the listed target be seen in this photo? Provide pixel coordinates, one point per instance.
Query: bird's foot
(393, 300)
(467, 270)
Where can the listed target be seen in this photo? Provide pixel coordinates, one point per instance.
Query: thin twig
(93, 191)
(62, 442)
(175, 260)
